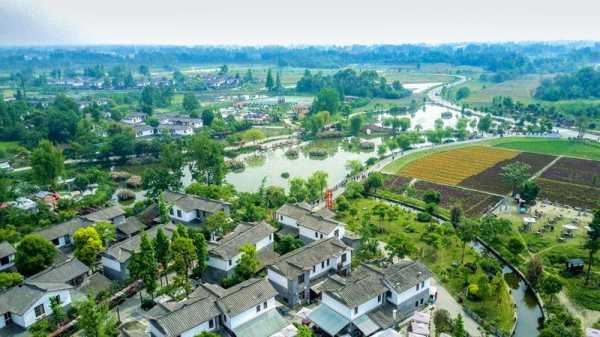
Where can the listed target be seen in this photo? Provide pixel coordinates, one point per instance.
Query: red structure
(329, 199)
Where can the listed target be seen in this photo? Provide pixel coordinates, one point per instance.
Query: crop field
(568, 194)
(491, 180)
(557, 147)
(473, 203)
(575, 171)
(454, 166)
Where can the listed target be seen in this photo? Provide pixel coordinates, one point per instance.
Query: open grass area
(7, 146)
(439, 249)
(557, 147)
(482, 92)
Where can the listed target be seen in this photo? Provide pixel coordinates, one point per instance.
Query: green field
(557, 147)
(482, 93)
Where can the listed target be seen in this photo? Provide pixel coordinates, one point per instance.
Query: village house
(24, 204)
(131, 227)
(7, 255)
(115, 259)
(224, 255)
(294, 273)
(25, 304)
(372, 298)
(61, 235)
(193, 209)
(247, 309)
(134, 118)
(144, 130)
(310, 225)
(114, 214)
(176, 130)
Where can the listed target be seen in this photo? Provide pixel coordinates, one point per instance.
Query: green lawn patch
(564, 147)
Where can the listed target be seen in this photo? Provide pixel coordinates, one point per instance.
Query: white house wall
(29, 318)
(264, 242)
(199, 329)
(398, 299)
(110, 263)
(286, 220)
(277, 278)
(235, 321)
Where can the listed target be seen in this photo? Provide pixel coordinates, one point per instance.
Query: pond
(425, 117)
(272, 163)
(528, 311)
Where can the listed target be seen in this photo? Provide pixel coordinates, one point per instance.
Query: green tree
(356, 123)
(442, 321)
(354, 190)
(328, 99)
(592, 243)
(432, 197)
(287, 244)
(485, 123)
(551, 285)
(34, 254)
(404, 123)
(201, 249)
(88, 244)
(269, 84)
(515, 245)
(95, 320)
(248, 264)
(462, 93)
(373, 182)
(107, 232)
(9, 279)
(278, 85)
(298, 191)
(458, 329)
(529, 191)
(466, 232)
(208, 164)
(207, 117)
(304, 331)
(275, 197)
(316, 185)
(535, 270)
(144, 265)
(252, 135)
(58, 313)
(190, 102)
(219, 223)
(47, 164)
(162, 250)
(399, 246)
(515, 174)
(208, 334)
(184, 255)
(354, 167)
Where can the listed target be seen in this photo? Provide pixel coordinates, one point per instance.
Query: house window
(211, 324)
(423, 284)
(171, 211)
(314, 269)
(316, 235)
(379, 298)
(4, 260)
(224, 318)
(323, 264)
(55, 242)
(327, 262)
(265, 305)
(344, 257)
(271, 237)
(230, 262)
(416, 304)
(57, 299)
(301, 278)
(388, 294)
(179, 213)
(355, 310)
(258, 308)
(421, 301)
(321, 236)
(418, 286)
(39, 310)
(67, 239)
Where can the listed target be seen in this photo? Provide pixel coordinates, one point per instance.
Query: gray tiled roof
(191, 202)
(131, 225)
(246, 295)
(294, 211)
(105, 214)
(20, 298)
(318, 223)
(122, 251)
(303, 259)
(187, 317)
(65, 228)
(6, 249)
(229, 246)
(61, 273)
(368, 281)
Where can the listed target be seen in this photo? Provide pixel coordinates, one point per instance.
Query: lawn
(7, 146)
(442, 259)
(557, 147)
(482, 92)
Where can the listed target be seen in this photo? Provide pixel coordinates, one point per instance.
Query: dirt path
(587, 317)
(540, 172)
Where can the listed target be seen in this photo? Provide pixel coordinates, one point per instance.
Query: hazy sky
(249, 22)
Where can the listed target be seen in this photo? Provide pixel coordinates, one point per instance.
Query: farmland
(491, 180)
(576, 171)
(452, 167)
(568, 194)
(396, 184)
(557, 147)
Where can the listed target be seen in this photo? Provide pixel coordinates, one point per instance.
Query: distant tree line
(584, 84)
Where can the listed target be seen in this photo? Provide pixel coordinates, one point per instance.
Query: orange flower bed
(453, 166)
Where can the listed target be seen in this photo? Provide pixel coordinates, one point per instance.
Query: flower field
(453, 166)
(576, 171)
(396, 184)
(568, 194)
(473, 203)
(491, 180)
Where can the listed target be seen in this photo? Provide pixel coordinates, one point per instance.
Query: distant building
(310, 225)
(114, 214)
(193, 209)
(134, 118)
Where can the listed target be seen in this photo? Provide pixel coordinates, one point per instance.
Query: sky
(297, 22)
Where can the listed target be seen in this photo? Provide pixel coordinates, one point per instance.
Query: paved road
(447, 302)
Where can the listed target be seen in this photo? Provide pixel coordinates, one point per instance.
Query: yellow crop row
(453, 166)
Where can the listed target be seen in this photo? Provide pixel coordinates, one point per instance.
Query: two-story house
(115, 259)
(372, 298)
(7, 255)
(310, 225)
(224, 255)
(247, 309)
(294, 273)
(61, 235)
(193, 209)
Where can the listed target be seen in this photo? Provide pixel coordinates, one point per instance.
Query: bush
(424, 217)
(285, 175)
(490, 266)
(473, 292)
(147, 304)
